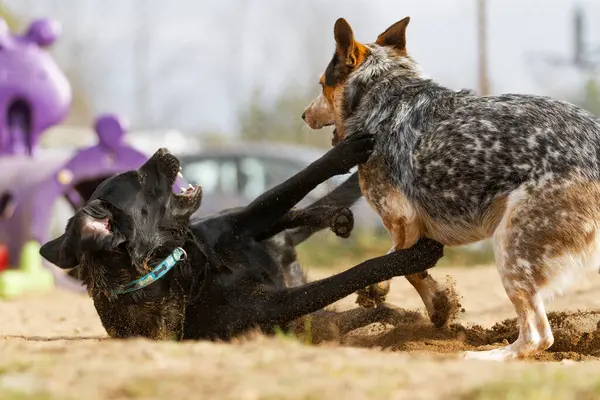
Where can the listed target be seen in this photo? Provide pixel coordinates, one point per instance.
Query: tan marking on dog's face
(325, 110)
(319, 113)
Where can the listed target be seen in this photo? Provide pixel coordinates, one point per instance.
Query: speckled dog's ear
(344, 42)
(395, 36)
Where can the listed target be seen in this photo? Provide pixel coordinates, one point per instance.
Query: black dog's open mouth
(170, 166)
(190, 192)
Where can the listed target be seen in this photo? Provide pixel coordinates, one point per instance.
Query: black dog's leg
(356, 318)
(345, 195)
(289, 304)
(263, 212)
(314, 218)
(326, 325)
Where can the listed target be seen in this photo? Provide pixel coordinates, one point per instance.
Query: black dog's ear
(91, 228)
(96, 227)
(60, 255)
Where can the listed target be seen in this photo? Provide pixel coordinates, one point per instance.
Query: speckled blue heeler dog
(458, 168)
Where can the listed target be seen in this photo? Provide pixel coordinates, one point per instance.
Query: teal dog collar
(154, 275)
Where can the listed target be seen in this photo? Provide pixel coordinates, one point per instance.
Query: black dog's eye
(143, 178)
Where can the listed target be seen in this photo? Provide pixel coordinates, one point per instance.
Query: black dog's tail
(345, 195)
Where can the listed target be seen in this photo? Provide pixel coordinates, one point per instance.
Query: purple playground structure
(35, 95)
(29, 187)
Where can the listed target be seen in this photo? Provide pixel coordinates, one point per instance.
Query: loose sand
(52, 346)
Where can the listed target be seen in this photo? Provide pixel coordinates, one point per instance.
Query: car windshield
(260, 174)
(247, 176)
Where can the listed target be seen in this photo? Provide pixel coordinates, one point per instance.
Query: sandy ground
(52, 346)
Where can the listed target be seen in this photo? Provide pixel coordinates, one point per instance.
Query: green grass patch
(16, 366)
(17, 395)
(11, 369)
(13, 22)
(138, 388)
(325, 250)
(555, 386)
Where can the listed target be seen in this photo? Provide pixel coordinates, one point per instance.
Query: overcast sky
(191, 64)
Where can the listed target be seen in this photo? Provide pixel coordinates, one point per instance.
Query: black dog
(221, 276)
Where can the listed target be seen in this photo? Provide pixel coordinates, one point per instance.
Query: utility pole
(583, 57)
(484, 84)
(579, 50)
(140, 63)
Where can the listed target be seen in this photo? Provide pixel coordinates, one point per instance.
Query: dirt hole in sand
(576, 334)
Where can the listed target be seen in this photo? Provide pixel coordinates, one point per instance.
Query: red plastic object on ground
(3, 257)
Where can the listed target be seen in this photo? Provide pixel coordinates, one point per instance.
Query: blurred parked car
(234, 174)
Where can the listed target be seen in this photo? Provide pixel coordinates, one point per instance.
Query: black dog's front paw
(353, 150)
(342, 223)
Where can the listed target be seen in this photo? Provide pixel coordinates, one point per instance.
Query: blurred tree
(587, 96)
(81, 111)
(591, 96)
(262, 118)
(12, 22)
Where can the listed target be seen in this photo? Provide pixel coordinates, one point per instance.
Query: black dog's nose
(304, 115)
